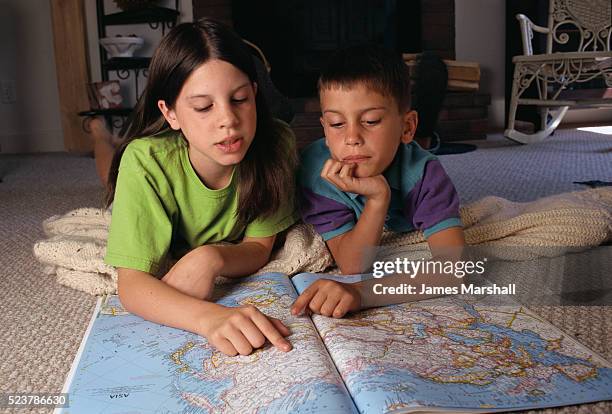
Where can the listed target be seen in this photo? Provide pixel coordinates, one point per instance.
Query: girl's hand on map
(328, 298)
(241, 330)
(195, 273)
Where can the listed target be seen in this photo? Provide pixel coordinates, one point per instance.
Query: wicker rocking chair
(554, 72)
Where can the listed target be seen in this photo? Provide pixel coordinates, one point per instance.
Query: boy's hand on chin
(342, 175)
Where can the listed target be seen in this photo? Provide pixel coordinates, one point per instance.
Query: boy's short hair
(377, 68)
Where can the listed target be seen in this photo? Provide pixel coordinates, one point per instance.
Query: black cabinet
(158, 18)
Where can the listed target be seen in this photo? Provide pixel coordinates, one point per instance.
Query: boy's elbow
(347, 260)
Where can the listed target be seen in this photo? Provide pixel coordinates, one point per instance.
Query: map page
(127, 364)
(458, 353)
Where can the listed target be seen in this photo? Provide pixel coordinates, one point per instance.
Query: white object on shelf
(121, 46)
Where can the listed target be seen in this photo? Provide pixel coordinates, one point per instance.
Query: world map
(449, 353)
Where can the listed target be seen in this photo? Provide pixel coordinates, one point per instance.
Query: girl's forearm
(148, 297)
(243, 258)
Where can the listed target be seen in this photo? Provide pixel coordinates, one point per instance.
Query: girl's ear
(410, 120)
(169, 114)
(255, 88)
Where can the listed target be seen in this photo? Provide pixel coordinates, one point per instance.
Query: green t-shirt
(162, 209)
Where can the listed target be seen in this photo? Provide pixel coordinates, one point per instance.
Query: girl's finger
(226, 347)
(280, 326)
(352, 171)
(242, 345)
(253, 334)
(269, 330)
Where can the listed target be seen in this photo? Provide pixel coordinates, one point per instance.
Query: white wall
(480, 32)
(588, 116)
(32, 123)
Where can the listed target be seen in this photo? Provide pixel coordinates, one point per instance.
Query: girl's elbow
(267, 253)
(128, 288)
(264, 247)
(124, 292)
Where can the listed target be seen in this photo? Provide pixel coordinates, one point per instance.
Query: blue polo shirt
(422, 195)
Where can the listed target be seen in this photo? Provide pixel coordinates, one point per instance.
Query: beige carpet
(42, 322)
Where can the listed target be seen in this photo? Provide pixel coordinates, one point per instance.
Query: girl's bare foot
(96, 126)
(104, 146)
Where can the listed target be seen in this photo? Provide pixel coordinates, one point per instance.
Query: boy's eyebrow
(203, 95)
(361, 111)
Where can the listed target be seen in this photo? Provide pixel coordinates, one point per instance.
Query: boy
(367, 173)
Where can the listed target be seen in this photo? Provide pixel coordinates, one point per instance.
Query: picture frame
(105, 94)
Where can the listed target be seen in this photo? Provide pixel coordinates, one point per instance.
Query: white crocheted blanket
(76, 243)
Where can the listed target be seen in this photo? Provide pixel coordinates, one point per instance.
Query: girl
(203, 163)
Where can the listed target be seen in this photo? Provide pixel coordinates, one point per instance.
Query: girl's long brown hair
(266, 174)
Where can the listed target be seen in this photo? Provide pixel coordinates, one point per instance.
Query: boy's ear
(169, 114)
(323, 125)
(411, 120)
